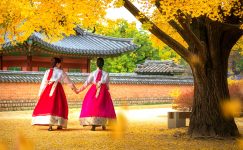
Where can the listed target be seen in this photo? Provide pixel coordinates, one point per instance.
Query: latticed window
(74, 70)
(43, 68)
(14, 68)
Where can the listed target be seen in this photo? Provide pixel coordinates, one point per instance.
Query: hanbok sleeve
(43, 83)
(68, 81)
(87, 82)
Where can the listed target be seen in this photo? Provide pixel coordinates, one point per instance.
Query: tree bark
(210, 90)
(210, 85)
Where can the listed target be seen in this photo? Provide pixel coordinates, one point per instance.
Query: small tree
(184, 101)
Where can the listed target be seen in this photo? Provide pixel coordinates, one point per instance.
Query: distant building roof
(82, 44)
(158, 67)
(115, 78)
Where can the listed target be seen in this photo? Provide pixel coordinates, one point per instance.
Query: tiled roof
(82, 44)
(115, 78)
(158, 67)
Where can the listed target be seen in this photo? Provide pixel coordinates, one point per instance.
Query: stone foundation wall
(23, 96)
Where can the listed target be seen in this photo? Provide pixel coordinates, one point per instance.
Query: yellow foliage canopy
(20, 18)
(171, 9)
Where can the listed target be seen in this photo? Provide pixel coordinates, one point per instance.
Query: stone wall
(23, 96)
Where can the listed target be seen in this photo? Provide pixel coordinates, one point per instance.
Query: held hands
(77, 91)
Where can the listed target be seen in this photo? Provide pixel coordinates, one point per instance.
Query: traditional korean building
(145, 86)
(157, 67)
(76, 51)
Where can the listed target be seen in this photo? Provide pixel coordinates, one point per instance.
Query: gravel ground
(139, 127)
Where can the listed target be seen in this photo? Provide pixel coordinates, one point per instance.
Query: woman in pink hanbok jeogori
(97, 108)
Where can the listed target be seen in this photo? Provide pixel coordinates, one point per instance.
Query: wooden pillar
(1, 62)
(88, 65)
(29, 63)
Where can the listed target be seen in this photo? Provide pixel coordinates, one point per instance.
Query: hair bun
(55, 60)
(100, 62)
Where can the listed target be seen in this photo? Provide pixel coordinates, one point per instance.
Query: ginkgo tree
(203, 33)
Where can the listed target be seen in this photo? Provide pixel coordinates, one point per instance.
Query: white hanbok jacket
(57, 76)
(105, 79)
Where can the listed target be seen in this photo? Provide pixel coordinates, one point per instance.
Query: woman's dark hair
(100, 63)
(55, 61)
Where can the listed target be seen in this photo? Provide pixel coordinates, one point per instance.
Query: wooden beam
(41, 59)
(41, 64)
(74, 60)
(72, 65)
(14, 58)
(8, 63)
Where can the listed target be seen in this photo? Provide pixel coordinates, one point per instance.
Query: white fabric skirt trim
(49, 120)
(87, 121)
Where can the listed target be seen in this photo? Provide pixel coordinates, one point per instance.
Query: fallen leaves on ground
(138, 134)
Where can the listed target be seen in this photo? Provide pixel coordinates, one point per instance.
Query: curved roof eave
(85, 44)
(116, 50)
(83, 32)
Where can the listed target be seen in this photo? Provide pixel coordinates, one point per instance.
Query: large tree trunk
(210, 90)
(210, 84)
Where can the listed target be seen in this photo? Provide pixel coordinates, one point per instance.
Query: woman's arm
(107, 81)
(43, 83)
(69, 82)
(87, 82)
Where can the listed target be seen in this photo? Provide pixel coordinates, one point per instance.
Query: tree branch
(187, 33)
(174, 24)
(198, 43)
(176, 46)
(231, 26)
(180, 30)
(230, 38)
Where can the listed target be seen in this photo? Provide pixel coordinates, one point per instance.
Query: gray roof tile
(84, 43)
(159, 67)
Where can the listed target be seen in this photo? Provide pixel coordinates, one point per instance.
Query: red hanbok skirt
(51, 110)
(97, 111)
